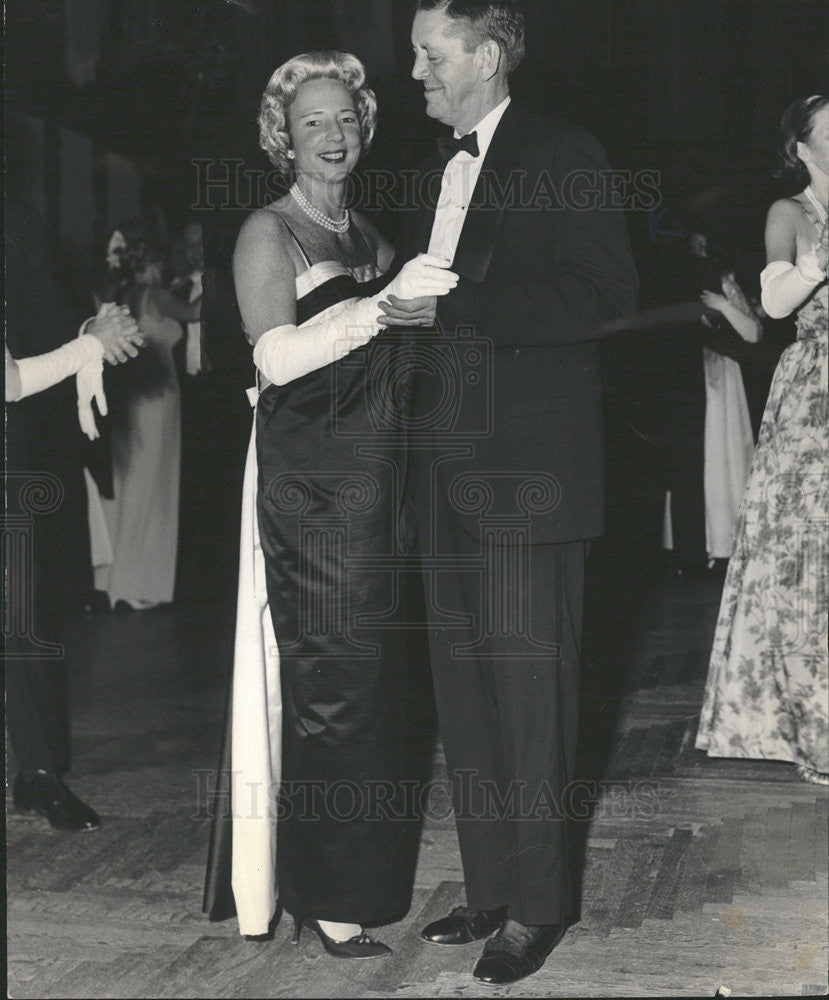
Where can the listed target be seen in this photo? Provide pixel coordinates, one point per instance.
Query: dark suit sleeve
(38, 318)
(591, 279)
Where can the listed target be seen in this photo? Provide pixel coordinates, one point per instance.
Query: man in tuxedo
(506, 465)
(52, 571)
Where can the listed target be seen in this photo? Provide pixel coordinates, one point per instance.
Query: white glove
(46, 370)
(90, 385)
(288, 352)
(785, 285)
(423, 275)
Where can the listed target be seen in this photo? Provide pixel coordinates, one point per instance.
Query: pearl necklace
(821, 211)
(334, 225)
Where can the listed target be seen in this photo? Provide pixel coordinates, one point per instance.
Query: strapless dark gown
(330, 476)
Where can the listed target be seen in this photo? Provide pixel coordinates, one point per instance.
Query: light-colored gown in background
(729, 443)
(767, 694)
(142, 519)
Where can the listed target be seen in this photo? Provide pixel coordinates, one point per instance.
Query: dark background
(693, 88)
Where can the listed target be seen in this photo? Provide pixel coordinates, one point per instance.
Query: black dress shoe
(464, 925)
(515, 952)
(45, 794)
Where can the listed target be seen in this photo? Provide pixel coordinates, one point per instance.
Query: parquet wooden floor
(697, 873)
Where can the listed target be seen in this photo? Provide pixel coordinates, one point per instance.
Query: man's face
(450, 75)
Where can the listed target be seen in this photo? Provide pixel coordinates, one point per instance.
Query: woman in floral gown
(767, 694)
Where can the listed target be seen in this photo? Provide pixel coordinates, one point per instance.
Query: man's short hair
(480, 21)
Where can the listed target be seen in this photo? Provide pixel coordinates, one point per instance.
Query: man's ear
(489, 58)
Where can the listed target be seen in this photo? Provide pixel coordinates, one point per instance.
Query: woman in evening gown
(316, 722)
(142, 518)
(767, 694)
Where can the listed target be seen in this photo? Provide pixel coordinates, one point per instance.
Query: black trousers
(508, 715)
(37, 713)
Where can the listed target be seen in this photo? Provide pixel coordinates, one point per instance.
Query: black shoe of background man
(47, 795)
(516, 952)
(464, 925)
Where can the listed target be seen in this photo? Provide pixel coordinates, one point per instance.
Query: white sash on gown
(256, 724)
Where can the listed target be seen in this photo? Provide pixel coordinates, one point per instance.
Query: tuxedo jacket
(543, 259)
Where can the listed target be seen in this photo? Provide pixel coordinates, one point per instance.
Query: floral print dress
(767, 694)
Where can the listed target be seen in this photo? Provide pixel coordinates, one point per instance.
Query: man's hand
(409, 312)
(117, 331)
(713, 301)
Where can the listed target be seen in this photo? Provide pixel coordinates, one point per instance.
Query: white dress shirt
(459, 180)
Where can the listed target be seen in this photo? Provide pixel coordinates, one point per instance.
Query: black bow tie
(448, 146)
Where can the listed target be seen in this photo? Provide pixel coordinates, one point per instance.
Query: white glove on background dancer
(46, 370)
(288, 352)
(785, 285)
(90, 385)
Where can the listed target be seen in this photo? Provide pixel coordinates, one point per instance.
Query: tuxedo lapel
(486, 209)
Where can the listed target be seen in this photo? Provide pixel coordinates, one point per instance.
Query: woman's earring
(290, 154)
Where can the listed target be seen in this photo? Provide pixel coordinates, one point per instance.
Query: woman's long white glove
(288, 352)
(90, 385)
(785, 285)
(45, 370)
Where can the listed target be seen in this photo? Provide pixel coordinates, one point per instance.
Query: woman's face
(698, 245)
(325, 130)
(815, 152)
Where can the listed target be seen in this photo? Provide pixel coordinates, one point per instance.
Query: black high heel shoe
(359, 946)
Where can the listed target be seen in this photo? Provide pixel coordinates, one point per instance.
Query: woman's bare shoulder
(786, 210)
(265, 242)
(264, 225)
